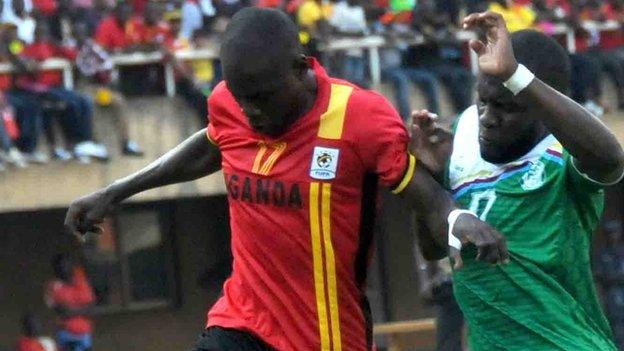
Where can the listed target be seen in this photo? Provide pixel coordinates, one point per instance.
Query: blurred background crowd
(421, 45)
(61, 61)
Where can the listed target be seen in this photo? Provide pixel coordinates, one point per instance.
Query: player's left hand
(491, 245)
(496, 57)
(429, 142)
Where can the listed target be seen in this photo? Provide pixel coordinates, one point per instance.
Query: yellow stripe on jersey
(332, 120)
(317, 258)
(330, 265)
(259, 155)
(277, 152)
(409, 173)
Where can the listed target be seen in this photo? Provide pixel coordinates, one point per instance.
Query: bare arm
(194, 158)
(433, 206)
(595, 149)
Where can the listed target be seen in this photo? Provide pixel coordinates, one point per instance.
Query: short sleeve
(382, 141)
(580, 181)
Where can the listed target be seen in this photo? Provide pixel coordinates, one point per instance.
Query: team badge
(534, 177)
(324, 163)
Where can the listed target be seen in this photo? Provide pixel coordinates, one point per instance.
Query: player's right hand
(85, 214)
(491, 245)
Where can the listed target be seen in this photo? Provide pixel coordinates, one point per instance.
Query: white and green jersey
(545, 298)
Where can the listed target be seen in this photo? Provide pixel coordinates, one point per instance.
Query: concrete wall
(29, 240)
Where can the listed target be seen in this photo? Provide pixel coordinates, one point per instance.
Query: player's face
(508, 128)
(269, 95)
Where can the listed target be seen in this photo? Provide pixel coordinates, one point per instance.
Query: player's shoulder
(221, 98)
(363, 104)
(219, 91)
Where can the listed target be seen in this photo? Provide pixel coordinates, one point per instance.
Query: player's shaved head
(510, 126)
(265, 69)
(543, 56)
(257, 33)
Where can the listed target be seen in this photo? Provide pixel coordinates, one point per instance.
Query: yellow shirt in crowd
(311, 12)
(518, 17)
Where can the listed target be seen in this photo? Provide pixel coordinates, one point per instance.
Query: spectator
(517, 16)
(192, 19)
(71, 297)
(23, 21)
(609, 271)
(95, 64)
(227, 8)
(473, 6)
(594, 50)
(174, 20)
(111, 32)
(7, 10)
(149, 32)
(196, 79)
(441, 54)
(138, 6)
(86, 11)
(400, 76)
(27, 108)
(31, 339)
(48, 11)
(77, 119)
(9, 132)
(586, 83)
(312, 18)
(348, 20)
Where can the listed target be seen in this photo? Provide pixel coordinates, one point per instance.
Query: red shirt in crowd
(111, 35)
(46, 7)
(139, 32)
(300, 209)
(609, 39)
(76, 294)
(139, 6)
(41, 51)
(25, 343)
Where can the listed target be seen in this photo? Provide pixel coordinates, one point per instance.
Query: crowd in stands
(35, 105)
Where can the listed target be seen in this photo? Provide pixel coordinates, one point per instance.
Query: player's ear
(301, 64)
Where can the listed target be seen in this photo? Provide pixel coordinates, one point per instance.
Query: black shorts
(223, 339)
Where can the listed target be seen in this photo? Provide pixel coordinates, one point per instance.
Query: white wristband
(521, 79)
(453, 241)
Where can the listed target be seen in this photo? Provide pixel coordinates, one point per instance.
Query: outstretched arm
(433, 206)
(194, 158)
(595, 149)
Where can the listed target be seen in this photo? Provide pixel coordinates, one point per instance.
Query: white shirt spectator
(192, 19)
(348, 19)
(7, 9)
(25, 28)
(207, 8)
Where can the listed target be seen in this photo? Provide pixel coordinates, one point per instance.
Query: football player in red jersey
(302, 154)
